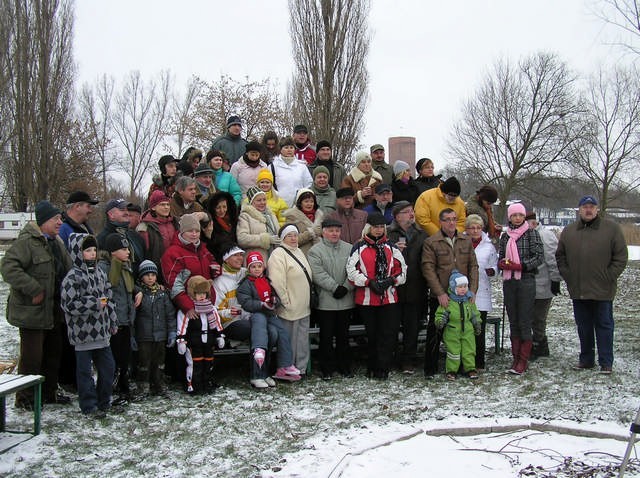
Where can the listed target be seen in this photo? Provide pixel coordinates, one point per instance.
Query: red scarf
(311, 215)
(263, 287)
(223, 222)
(476, 242)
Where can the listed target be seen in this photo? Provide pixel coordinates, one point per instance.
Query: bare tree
(522, 123)
(183, 113)
(35, 96)
(139, 116)
(257, 102)
(612, 156)
(624, 15)
(329, 89)
(95, 110)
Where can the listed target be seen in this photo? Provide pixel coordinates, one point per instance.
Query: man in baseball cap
(79, 207)
(380, 165)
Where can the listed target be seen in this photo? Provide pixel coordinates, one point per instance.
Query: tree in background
(522, 123)
(624, 16)
(329, 88)
(611, 156)
(256, 101)
(36, 97)
(139, 116)
(95, 105)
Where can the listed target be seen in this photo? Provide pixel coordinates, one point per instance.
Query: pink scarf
(511, 254)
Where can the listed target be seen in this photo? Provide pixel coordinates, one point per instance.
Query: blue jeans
(594, 316)
(267, 331)
(89, 396)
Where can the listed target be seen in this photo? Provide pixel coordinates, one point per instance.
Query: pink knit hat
(157, 197)
(516, 208)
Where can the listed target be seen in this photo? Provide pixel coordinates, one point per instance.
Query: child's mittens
(171, 339)
(442, 321)
(477, 324)
(182, 347)
(134, 344)
(220, 341)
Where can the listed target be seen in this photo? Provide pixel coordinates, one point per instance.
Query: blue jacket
(227, 183)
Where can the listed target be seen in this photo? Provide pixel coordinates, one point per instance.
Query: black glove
(376, 287)
(388, 282)
(555, 287)
(340, 292)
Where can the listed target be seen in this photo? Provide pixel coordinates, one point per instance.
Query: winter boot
(197, 381)
(515, 350)
(525, 353)
(210, 384)
(543, 348)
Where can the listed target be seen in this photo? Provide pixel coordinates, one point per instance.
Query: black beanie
(376, 219)
(44, 211)
(89, 241)
(451, 186)
(323, 144)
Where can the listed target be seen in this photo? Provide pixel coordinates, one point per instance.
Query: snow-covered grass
(304, 429)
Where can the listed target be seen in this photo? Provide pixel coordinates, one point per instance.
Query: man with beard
(383, 202)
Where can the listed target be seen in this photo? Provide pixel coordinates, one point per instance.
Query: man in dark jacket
(443, 252)
(79, 208)
(34, 267)
(412, 296)
(231, 144)
(118, 221)
(324, 158)
(591, 255)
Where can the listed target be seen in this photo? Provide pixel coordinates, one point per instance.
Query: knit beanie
(254, 257)
(157, 197)
(451, 186)
(420, 163)
(399, 167)
(114, 242)
(234, 120)
(304, 193)
(44, 211)
(323, 143)
(287, 229)
(147, 267)
(361, 156)
(253, 192)
(264, 174)
(89, 241)
(189, 222)
(320, 169)
(516, 208)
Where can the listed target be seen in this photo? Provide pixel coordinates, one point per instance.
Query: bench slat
(18, 382)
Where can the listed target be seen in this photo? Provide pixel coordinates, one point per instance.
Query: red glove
(509, 266)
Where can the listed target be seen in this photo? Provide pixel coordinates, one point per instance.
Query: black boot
(543, 348)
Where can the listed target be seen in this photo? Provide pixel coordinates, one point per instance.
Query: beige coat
(290, 283)
(253, 232)
(309, 232)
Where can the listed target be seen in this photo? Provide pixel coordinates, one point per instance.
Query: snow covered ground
(348, 427)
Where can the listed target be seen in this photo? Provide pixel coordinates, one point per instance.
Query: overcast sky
(426, 57)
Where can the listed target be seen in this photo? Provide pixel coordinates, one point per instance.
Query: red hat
(157, 197)
(254, 257)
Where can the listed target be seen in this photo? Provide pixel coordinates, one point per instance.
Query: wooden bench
(11, 384)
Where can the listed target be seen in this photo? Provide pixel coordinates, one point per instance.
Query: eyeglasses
(449, 219)
(451, 195)
(474, 228)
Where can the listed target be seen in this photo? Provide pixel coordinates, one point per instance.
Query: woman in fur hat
(363, 180)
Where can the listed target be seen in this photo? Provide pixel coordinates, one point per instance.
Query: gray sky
(426, 57)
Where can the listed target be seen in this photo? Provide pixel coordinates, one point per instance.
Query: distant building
(11, 223)
(402, 148)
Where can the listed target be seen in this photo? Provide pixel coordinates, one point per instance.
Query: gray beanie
(400, 167)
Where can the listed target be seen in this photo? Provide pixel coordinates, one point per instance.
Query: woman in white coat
(487, 258)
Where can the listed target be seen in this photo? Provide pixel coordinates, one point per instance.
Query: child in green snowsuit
(460, 321)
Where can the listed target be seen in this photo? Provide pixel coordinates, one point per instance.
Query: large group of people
(256, 241)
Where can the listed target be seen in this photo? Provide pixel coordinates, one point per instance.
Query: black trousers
(381, 324)
(121, 350)
(334, 323)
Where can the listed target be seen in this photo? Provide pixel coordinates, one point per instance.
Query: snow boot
(525, 353)
(515, 350)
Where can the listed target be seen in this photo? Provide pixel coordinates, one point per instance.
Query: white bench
(11, 384)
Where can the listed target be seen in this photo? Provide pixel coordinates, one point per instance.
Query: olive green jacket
(28, 267)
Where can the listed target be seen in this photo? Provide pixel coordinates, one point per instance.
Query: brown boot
(515, 350)
(525, 353)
